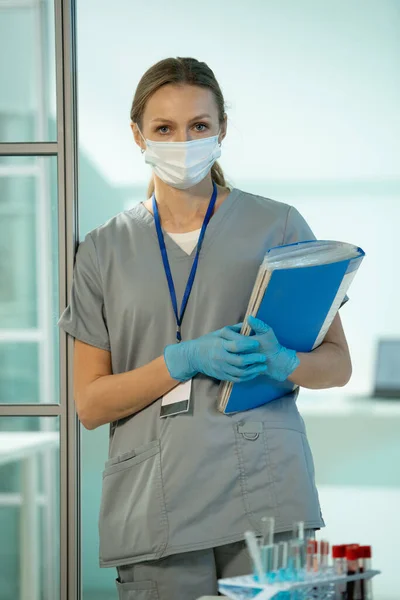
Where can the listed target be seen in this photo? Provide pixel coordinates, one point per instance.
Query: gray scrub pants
(186, 576)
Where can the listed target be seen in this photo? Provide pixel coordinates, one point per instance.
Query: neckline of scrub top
(213, 226)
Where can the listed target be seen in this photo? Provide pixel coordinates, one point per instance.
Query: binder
(298, 291)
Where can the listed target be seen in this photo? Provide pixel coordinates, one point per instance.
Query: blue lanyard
(167, 268)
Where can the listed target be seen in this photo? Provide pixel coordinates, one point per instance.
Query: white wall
(313, 87)
(343, 509)
(370, 221)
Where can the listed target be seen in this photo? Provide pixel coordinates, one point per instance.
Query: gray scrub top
(197, 479)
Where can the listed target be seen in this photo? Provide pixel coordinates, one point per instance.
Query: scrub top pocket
(276, 473)
(141, 590)
(293, 469)
(133, 520)
(255, 470)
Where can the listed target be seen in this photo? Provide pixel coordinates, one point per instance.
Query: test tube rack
(312, 587)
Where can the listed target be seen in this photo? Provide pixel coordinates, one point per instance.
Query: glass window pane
(19, 364)
(27, 76)
(29, 508)
(28, 279)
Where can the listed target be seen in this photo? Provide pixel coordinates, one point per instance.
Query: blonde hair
(178, 71)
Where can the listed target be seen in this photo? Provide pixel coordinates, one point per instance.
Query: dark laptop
(387, 369)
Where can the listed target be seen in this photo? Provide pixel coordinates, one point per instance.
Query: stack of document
(298, 291)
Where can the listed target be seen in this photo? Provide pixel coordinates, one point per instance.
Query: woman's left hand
(281, 361)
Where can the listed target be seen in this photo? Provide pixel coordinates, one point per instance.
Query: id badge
(177, 400)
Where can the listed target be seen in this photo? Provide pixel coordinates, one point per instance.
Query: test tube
(282, 560)
(272, 560)
(296, 551)
(310, 552)
(267, 560)
(298, 546)
(338, 559)
(365, 565)
(283, 554)
(267, 544)
(298, 531)
(254, 551)
(315, 557)
(268, 530)
(353, 588)
(324, 554)
(276, 557)
(340, 568)
(312, 555)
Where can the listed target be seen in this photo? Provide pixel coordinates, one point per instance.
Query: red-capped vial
(324, 554)
(353, 588)
(365, 554)
(352, 554)
(339, 551)
(312, 555)
(340, 568)
(339, 559)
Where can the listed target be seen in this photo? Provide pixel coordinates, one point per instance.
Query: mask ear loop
(142, 150)
(219, 142)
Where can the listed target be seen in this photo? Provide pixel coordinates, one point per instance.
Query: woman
(183, 481)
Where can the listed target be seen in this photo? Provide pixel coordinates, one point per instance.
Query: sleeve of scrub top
(298, 230)
(84, 317)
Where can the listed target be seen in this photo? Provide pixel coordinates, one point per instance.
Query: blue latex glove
(281, 361)
(224, 354)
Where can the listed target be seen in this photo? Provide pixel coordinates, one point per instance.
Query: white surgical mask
(182, 164)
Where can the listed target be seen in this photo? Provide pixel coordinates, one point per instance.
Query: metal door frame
(65, 149)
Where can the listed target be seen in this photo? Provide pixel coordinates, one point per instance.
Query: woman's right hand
(224, 354)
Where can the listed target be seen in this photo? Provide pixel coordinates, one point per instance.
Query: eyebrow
(198, 118)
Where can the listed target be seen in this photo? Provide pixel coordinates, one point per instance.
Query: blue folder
(299, 303)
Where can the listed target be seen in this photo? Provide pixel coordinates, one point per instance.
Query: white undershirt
(187, 241)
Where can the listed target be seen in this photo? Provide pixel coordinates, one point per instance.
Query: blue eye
(163, 127)
(201, 125)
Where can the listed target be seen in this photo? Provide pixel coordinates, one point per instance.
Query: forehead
(178, 102)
